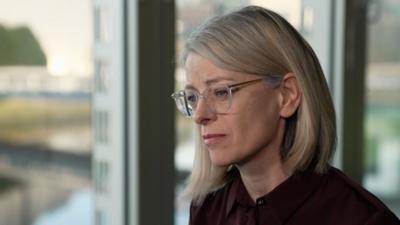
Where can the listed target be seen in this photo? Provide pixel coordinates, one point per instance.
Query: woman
(266, 126)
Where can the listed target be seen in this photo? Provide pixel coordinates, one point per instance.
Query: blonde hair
(258, 41)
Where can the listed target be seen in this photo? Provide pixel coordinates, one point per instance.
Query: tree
(18, 46)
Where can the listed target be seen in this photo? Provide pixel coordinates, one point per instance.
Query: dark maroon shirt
(305, 198)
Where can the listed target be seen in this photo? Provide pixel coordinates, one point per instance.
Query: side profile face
(252, 124)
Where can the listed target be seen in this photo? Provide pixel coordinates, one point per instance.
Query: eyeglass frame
(176, 96)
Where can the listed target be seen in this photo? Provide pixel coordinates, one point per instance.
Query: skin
(249, 135)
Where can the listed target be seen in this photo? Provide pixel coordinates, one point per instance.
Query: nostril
(204, 121)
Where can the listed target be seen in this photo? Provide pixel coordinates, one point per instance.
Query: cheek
(256, 125)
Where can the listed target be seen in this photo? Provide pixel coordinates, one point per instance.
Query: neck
(262, 181)
(264, 172)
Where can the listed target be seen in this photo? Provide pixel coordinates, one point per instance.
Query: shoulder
(350, 188)
(383, 217)
(347, 198)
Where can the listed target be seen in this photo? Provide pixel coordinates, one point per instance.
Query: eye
(191, 97)
(221, 93)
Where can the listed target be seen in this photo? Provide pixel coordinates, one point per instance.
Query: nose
(203, 113)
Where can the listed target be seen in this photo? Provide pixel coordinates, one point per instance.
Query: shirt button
(260, 202)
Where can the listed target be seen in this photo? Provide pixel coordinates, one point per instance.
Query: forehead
(202, 72)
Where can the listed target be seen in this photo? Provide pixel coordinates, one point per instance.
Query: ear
(290, 95)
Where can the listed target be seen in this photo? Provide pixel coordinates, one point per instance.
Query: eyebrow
(209, 82)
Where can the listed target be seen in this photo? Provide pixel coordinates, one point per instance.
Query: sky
(63, 28)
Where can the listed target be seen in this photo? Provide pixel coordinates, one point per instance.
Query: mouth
(210, 139)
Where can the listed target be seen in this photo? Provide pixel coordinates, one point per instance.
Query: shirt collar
(238, 195)
(284, 199)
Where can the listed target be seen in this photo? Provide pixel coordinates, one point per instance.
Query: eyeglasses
(218, 98)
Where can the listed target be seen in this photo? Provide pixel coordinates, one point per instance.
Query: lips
(210, 139)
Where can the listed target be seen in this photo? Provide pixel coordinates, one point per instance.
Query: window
(382, 110)
(45, 112)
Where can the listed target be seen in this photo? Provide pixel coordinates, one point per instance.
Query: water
(78, 210)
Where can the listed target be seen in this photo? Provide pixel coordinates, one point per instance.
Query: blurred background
(86, 121)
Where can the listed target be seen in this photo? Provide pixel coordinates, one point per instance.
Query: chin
(221, 164)
(220, 160)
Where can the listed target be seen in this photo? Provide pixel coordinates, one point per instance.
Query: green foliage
(371, 153)
(7, 183)
(18, 46)
(27, 120)
(383, 120)
(26, 113)
(382, 123)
